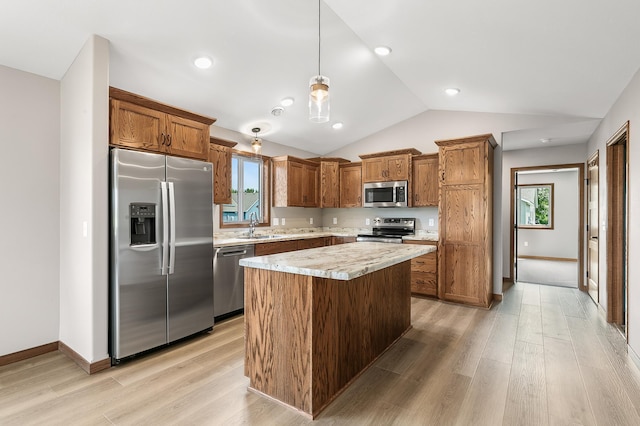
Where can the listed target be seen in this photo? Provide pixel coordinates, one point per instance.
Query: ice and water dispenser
(143, 223)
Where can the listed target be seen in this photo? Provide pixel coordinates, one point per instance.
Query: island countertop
(339, 262)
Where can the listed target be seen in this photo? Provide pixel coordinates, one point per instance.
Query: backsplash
(352, 218)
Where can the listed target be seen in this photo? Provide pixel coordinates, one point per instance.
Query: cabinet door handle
(168, 140)
(163, 138)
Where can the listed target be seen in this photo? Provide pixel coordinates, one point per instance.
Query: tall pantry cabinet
(465, 261)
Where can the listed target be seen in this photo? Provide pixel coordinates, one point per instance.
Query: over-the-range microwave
(385, 194)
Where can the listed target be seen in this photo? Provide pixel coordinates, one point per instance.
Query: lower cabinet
(342, 240)
(263, 249)
(424, 271)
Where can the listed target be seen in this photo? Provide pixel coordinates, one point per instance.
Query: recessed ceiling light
(337, 126)
(382, 50)
(287, 102)
(277, 111)
(452, 91)
(203, 62)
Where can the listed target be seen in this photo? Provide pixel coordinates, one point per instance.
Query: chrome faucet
(253, 221)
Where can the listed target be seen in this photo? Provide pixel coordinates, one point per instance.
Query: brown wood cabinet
(274, 247)
(263, 249)
(342, 240)
(351, 185)
(465, 250)
(425, 180)
(329, 184)
(295, 182)
(424, 271)
(387, 166)
(220, 152)
(140, 123)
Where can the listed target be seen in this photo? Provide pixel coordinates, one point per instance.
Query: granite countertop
(269, 237)
(339, 262)
(265, 237)
(431, 236)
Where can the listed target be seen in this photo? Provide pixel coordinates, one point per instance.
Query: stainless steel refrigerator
(161, 253)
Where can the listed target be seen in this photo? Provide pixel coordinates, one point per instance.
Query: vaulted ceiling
(568, 58)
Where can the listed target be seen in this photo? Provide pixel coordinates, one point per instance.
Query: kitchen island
(316, 319)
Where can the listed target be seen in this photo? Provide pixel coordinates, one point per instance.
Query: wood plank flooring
(543, 356)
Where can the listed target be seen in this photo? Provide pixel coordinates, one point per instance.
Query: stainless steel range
(390, 229)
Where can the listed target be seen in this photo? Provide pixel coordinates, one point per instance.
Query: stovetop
(390, 227)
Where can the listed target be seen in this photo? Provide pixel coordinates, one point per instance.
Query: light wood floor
(542, 356)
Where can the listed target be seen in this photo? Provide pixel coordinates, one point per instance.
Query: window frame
(265, 198)
(551, 223)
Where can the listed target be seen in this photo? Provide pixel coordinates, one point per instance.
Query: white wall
(561, 241)
(626, 108)
(421, 131)
(568, 154)
(30, 241)
(84, 159)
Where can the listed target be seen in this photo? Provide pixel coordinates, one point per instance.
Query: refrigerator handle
(165, 227)
(172, 231)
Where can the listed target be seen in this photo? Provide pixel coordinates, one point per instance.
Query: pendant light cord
(319, 38)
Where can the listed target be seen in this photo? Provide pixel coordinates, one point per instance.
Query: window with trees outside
(247, 179)
(535, 206)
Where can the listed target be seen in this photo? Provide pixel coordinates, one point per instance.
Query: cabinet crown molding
(411, 151)
(123, 95)
(479, 138)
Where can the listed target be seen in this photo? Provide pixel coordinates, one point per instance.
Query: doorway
(593, 226)
(534, 244)
(617, 226)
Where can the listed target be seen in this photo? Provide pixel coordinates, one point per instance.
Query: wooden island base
(307, 338)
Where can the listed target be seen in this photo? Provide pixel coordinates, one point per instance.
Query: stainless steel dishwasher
(228, 280)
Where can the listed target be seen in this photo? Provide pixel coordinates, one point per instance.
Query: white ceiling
(569, 57)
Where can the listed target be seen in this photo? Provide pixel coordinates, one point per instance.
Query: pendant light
(319, 90)
(256, 142)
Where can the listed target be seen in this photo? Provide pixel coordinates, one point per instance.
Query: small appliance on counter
(161, 250)
(389, 230)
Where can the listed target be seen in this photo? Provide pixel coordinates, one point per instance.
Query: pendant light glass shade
(319, 99)
(319, 90)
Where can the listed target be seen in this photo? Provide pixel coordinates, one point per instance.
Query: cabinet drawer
(424, 283)
(264, 249)
(425, 263)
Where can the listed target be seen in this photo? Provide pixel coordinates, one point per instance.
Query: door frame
(581, 236)
(618, 229)
(593, 159)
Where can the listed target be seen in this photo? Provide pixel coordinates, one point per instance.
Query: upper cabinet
(329, 184)
(329, 180)
(465, 251)
(220, 152)
(425, 180)
(351, 185)
(295, 182)
(140, 123)
(387, 166)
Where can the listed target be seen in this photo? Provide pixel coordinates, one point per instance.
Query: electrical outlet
(432, 222)
(335, 220)
(526, 243)
(367, 221)
(310, 221)
(283, 221)
(276, 221)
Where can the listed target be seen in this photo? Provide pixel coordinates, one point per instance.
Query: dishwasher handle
(233, 253)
